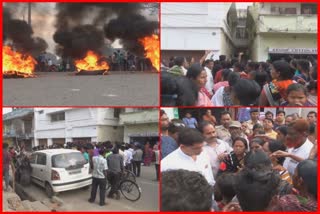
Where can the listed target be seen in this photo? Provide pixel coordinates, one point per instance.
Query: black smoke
(78, 41)
(84, 26)
(20, 33)
(129, 28)
(6, 17)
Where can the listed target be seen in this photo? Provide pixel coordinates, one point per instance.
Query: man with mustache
(189, 155)
(298, 144)
(216, 149)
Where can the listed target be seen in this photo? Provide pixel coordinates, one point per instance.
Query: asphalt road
(77, 200)
(66, 89)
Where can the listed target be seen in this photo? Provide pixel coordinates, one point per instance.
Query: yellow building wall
(109, 133)
(289, 23)
(143, 129)
(265, 41)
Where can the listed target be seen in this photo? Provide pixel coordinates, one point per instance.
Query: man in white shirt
(208, 68)
(189, 155)
(216, 149)
(99, 177)
(127, 158)
(298, 144)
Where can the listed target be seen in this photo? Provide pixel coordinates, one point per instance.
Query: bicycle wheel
(129, 176)
(130, 190)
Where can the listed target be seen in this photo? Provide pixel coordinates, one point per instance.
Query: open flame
(151, 46)
(91, 62)
(15, 63)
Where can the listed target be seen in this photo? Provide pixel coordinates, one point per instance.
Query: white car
(60, 170)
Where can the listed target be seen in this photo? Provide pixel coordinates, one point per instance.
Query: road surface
(66, 89)
(77, 200)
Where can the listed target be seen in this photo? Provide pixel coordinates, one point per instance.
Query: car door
(35, 168)
(42, 168)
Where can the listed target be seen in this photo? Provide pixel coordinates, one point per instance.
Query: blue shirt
(168, 145)
(190, 122)
(243, 114)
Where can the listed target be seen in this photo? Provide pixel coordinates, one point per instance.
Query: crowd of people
(267, 163)
(107, 162)
(126, 61)
(118, 61)
(238, 82)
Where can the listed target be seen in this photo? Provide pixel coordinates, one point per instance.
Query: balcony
(13, 133)
(146, 116)
(287, 24)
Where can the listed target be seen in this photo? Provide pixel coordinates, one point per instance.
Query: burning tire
(95, 72)
(15, 75)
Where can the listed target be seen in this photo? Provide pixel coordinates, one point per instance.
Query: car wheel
(49, 190)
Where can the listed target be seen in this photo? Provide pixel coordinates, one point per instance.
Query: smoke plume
(21, 35)
(84, 26)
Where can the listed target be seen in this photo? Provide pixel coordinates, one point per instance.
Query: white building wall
(106, 117)
(97, 123)
(192, 26)
(83, 131)
(79, 122)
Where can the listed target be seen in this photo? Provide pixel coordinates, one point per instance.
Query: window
(42, 159)
(57, 117)
(308, 9)
(290, 11)
(116, 112)
(274, 10)
(33, 158)
(241, 33)
(73, 160)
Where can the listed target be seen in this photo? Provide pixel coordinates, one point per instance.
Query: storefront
(143, 138)
(297, 53)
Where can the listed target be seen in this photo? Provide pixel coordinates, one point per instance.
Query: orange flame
(91, 63)
(15, 63)
(152, 49)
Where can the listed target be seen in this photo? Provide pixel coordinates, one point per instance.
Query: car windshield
(68, 160)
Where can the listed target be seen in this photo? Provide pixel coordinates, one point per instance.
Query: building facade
(140, 125)
(188, 29)
(18, 127)
(59, 126)
(62, 125)
(278, 30)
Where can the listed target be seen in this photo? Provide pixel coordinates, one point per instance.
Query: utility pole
(29, 13)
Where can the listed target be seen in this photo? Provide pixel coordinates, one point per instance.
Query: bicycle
(128, 175)
(128, 186)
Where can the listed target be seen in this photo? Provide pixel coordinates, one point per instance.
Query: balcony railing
(288, 23)
(13, 133)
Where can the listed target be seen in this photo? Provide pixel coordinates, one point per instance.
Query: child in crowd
(296, 96)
